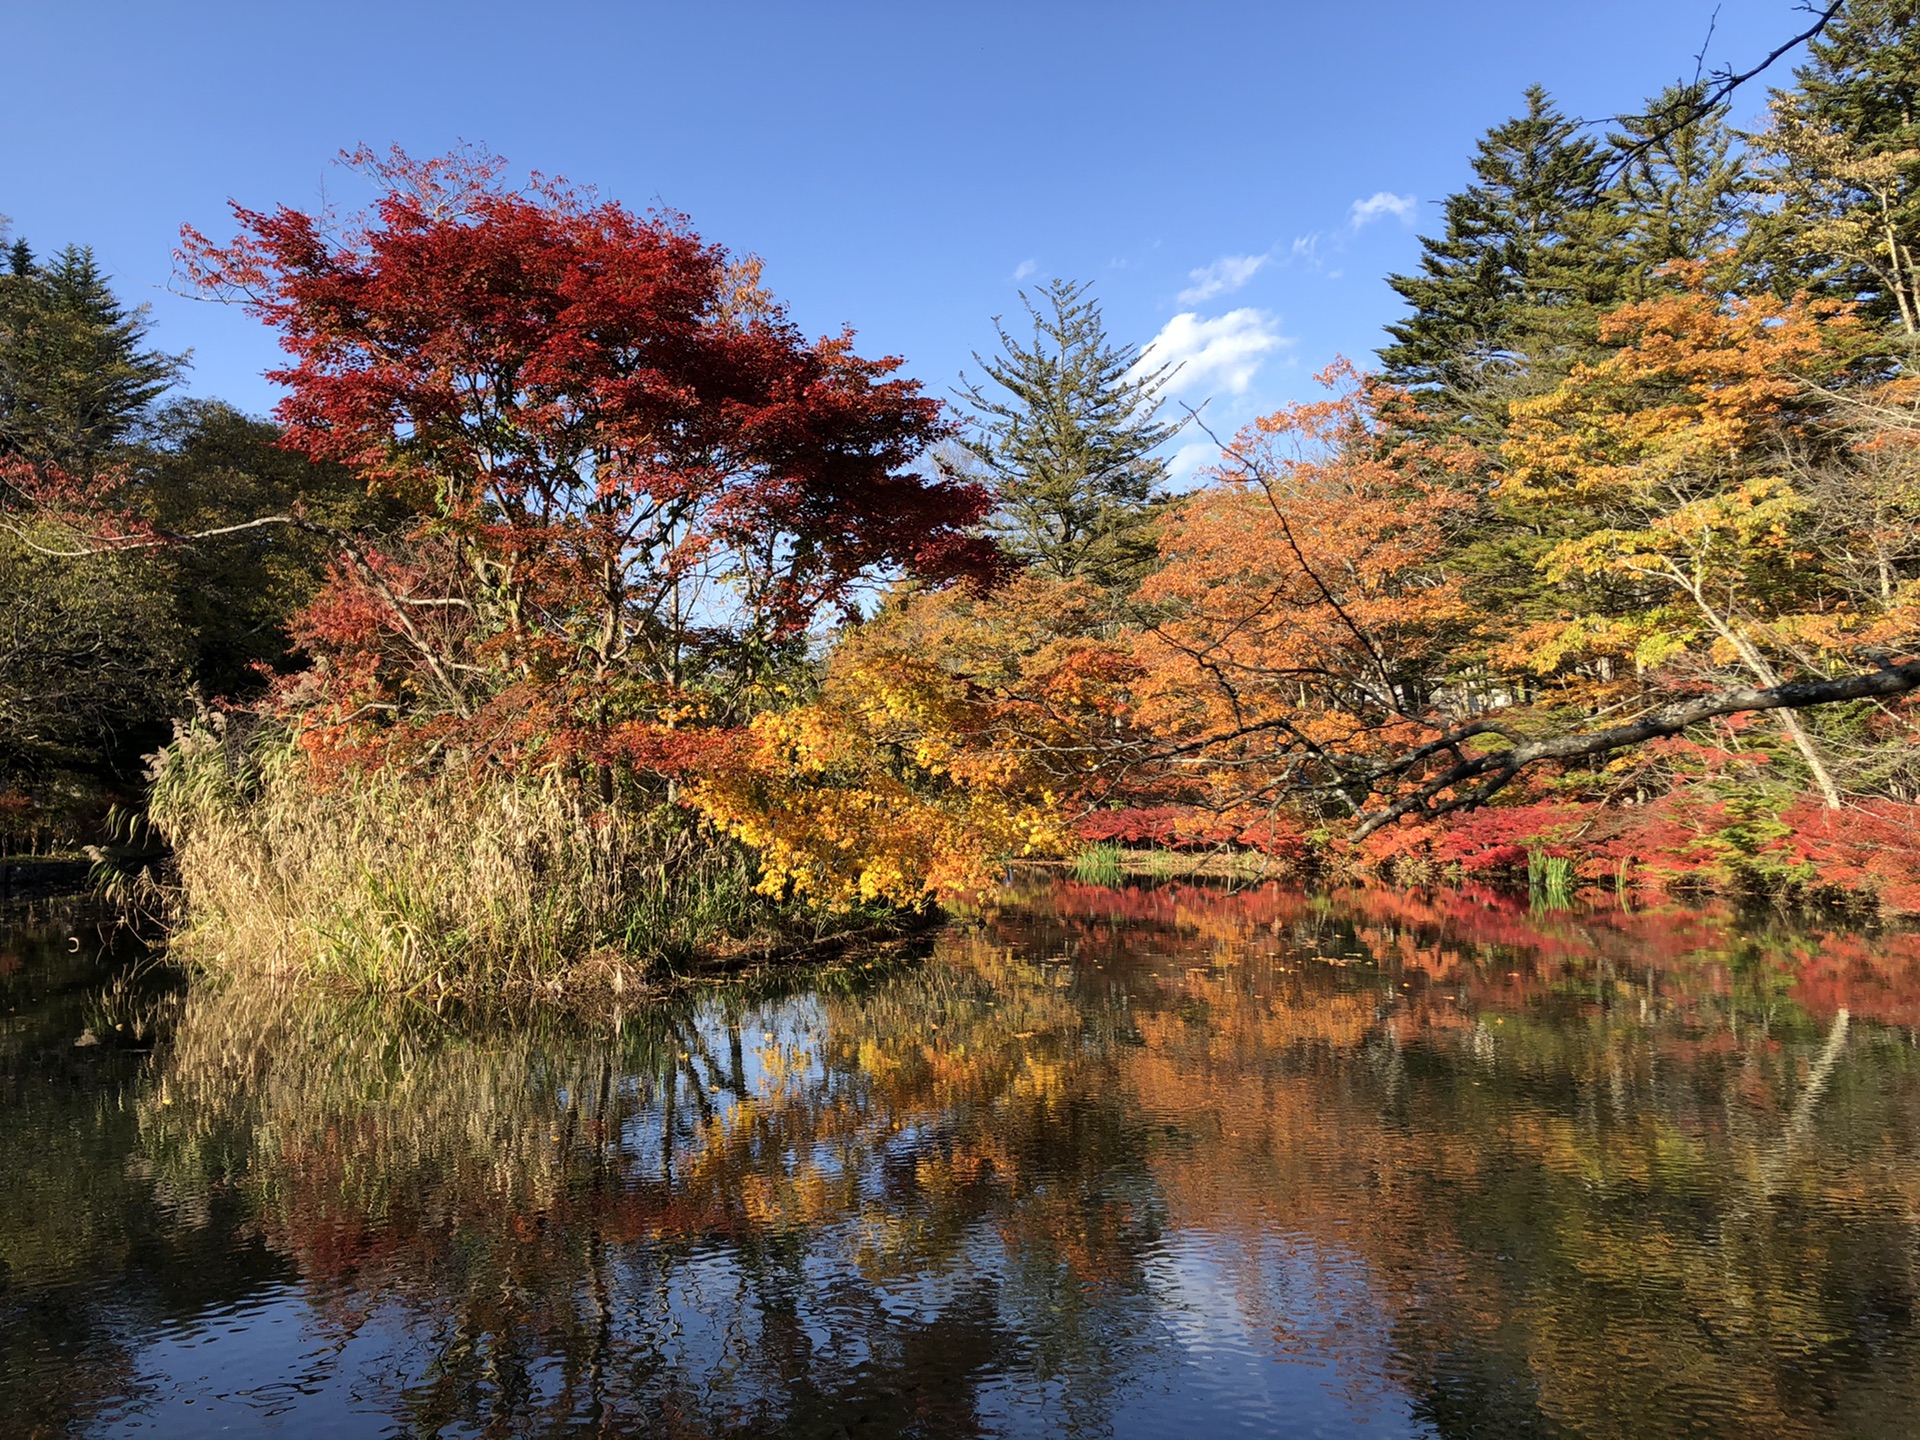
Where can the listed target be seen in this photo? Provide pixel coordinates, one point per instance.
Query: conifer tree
(1505, 296)
(76, 376)
(1682, 188)
(1842, 155)
(93, 656)
(1068, 439)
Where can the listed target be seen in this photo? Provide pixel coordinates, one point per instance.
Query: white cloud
(1223, 277)
(1025, 270)
(1381, 202)
(1226, 351)
(1184, 465)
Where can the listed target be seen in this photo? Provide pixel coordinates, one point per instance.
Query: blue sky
(1233, 178)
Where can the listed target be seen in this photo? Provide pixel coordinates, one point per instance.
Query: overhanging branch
(1708, 92)
(1486, 774)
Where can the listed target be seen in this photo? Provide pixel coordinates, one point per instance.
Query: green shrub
(1101, 864)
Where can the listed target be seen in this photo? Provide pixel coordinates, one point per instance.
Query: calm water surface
(1144, 1162)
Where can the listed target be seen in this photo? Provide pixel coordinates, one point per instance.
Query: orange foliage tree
(1708, 492)
(1301, 624)
(1717, 505)
(1679, 453)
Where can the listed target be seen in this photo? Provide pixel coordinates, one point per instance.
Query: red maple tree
(632, 479)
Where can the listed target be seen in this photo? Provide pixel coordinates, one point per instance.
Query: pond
(1137, 1162)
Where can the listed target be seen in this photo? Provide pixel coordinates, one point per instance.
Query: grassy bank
(1110, 864)
(457, 881)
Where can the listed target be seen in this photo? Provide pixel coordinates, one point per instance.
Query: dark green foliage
(93, 656)
(76, 376)
(208, 466)
(98, 652)
(1681, 186)
(1863, 74)
(1841, 156)
(93, 660)
(1506, 297)
(1069, 442)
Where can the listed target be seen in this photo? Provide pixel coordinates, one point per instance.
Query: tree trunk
(1770, 678)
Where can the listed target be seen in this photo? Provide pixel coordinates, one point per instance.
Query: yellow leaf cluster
(911, 776)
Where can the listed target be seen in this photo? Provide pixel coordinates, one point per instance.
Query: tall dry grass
(397, 881)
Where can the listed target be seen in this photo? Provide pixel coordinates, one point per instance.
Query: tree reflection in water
(1109, 1161)
(1621, 1175)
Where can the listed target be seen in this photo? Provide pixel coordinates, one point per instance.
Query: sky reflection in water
(1130, 1163)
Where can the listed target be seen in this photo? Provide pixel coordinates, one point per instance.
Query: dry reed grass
(391, 881)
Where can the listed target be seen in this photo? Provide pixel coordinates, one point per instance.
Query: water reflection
(1130, 1162)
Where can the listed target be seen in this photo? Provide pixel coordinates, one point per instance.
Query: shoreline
(1857, 907)
(606, 980)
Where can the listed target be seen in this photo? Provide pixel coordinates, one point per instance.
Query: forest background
(576, 604)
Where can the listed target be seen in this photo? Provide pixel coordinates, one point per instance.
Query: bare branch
(1708, 94)
(146, 540)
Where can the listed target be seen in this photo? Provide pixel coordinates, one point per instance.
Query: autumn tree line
(575, 604)
(1608, 559)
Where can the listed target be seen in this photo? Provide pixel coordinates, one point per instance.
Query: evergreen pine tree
(1505, 297)
(1069, 444)
(1682, 188)
(1842, 156)
(1863, 73)
(96, 652)
(76, 377)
